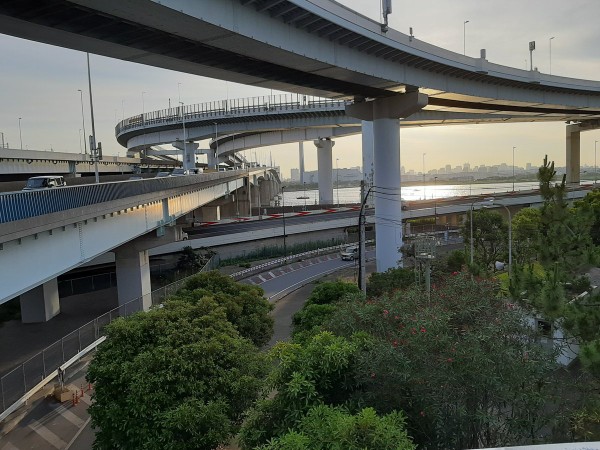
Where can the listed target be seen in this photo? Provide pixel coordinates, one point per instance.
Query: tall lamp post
(513, 167)
(595, 171)
(465, 37)
(337, 180)
(20, 135)
(83, 121)
(424, 175)
(471, 224)
(184, 142)
(435, 201)
(509, 236)
(144, 120)
(283, 217)
(550, 42)
(362, 272)
(93, 144)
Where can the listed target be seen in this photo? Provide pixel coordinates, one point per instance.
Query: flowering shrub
(453, 363)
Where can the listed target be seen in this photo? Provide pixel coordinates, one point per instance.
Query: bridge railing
(226, 108)
(23, 205)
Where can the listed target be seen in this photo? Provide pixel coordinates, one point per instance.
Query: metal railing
(227, 108)
(20, 380)
(23, 205)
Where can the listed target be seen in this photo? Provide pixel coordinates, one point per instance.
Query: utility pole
(362, 269)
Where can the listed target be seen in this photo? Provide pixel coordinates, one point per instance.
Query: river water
(417, 192)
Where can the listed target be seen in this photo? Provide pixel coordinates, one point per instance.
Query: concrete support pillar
(264, 190)
(41, 303)
(301, 157)
(133, 275)
(325, 170)
(188, 154)
(573, 145)
(367, 158)
(388, 208)
(385, 114)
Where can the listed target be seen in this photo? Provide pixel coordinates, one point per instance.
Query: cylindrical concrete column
(301, 158)
(388, 208)
(573, 154)
(325, 170)
(367, 157)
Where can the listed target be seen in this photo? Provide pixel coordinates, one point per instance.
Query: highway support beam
(385, 114)
(325, 169)
(41, 303)
(573, 154)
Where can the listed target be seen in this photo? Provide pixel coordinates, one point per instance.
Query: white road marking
(47, 435)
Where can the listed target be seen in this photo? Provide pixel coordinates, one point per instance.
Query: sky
(40, 83)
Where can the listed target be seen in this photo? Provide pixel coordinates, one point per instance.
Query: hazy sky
(39, 84)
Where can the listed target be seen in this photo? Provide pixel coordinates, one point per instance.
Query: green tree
(590, 204)
(244, 304)
(189, 260)
(564, 233)
(319, 307)
(396, 278)
(331, 292)
(525, 234)
(178, 377)
(329, 428)
(490, 237)
(464, 366)
(320, 371)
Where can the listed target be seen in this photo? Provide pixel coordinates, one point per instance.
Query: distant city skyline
(40, 85)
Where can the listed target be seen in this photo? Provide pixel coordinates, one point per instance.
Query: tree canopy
(180, 376)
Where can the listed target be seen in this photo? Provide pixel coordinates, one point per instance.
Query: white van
(44, 182)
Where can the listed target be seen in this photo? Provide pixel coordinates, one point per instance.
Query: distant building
(295, 175)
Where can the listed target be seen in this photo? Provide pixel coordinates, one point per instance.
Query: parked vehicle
(180, 172)
(162, 174)
(349, 253)
(44, 182)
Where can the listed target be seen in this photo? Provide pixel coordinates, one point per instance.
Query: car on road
(163, 174)
(44, 182)
(349, 253)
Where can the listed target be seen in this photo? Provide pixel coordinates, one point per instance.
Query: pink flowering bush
(463, 366)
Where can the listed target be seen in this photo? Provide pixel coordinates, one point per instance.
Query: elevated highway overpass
(49, 232)
(314, 47)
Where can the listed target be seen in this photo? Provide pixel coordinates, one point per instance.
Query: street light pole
(144, 120)
(83, 120)
(283, 217)
(362, 272)
(337, 182)
(184, 142)
(2, 138)
(513, 167)
(465, 37)
(93, 143)
(595, 171)
(550, 42)
(424, 175)
(471, 224)
(20, 135)
(435, 201)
